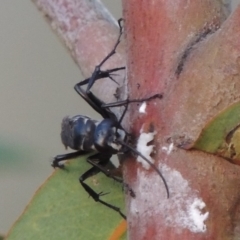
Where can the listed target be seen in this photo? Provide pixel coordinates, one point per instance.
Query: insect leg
(127, 101)
(101, 74)
(98, 74)
(96, 196)
(91, 99)
(97, 68)
(87, 95)
(57, 159)
(95, 103)
(111, 173)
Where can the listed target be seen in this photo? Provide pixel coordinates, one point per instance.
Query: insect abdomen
(78, 133)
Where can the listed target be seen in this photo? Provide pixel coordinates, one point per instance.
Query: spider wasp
(102, 138)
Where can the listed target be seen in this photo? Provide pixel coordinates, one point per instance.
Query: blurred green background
(36, 92)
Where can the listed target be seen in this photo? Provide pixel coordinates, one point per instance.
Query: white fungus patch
(142, 108)
(184, 209)
(168, 149)
(197, 216)
(145, 149)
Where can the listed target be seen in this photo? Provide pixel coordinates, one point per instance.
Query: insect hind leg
(96, 196)
(108, 172)
(111, 173)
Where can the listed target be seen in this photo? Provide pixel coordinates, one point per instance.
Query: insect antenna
(125, 103)
(149, 162)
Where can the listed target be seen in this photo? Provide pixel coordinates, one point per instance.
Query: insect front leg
(59, 158)
(127, 101)
(87, 95)
(94, 102)
(100, 74)
(97, 68)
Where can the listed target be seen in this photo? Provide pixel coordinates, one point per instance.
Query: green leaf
(62, 209)
(221, 135)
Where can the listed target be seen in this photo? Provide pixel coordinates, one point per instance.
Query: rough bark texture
(187, 51)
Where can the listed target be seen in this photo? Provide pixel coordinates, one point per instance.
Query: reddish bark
(177, 48)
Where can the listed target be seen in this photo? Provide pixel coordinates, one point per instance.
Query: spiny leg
(59, 158)
(97, 68)
(108, 172)
(95, 103)
(87, 95)
(98, 73)
(102, 74)
(93, 171)
(96, 196)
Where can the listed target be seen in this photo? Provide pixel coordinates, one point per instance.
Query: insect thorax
(83, 133)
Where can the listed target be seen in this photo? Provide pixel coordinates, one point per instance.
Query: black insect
(101, 138)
